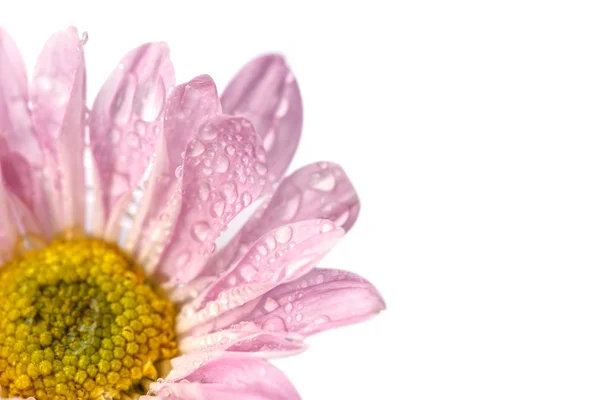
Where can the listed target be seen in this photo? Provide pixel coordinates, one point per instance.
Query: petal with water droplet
(188, 108)
(319, 190)
(211, 198)
(324, 299)
(282, 263)
(126, 125)
(266, 92)
(58, 115)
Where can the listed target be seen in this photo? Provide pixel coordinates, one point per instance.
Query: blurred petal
(320, 300)
(320, 190)
(240, 378)
(126, 124)
(282, 255)
(20, 153)
(188, 108)
(266, 92)
(58, 113)
(223, 172)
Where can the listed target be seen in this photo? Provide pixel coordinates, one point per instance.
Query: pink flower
(72, 174)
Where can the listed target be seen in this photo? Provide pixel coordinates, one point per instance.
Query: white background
(471, 130)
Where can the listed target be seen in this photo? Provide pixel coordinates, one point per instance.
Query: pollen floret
(79, 321)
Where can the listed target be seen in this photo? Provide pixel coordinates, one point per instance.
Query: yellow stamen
(78, 320)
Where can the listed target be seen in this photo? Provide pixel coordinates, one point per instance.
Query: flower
(111, 279)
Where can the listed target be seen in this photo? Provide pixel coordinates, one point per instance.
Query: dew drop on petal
(323, 181)
(217, 208)
(283, 234)
(200, 231)
(288, 308)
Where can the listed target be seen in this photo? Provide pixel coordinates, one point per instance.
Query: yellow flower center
(78, 320)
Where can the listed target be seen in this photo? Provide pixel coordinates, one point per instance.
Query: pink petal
(223, 172)
(240, 378)
(126, 123)
(266, 92)
(320, 300)
(244, 337)
(20, 153)
(17, 221)
(58, 112)
(320, 190)
(282, 255)
(188, 108)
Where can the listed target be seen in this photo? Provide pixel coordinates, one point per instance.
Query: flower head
(112, 286)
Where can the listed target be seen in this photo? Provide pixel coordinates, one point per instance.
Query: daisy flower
(112, 285)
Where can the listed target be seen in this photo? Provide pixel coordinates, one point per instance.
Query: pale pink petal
(244, 337)
(239, 378)
(223, 172)
(320, 300)
(58, 113)
(266, 92)
(126, 124)
(282, 255)
(20, 153)
(320, 190)
(188, 108)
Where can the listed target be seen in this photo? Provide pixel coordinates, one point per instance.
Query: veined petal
(320, 300)
(188, 108)
(223, 172)
(266, 92)
(126, 123)
(58, 113)
(20, 153)
(319, 190)
(282, 255)
(240, 378)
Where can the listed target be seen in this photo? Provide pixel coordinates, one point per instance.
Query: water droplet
(204, 191)
(230, 150)
(327, 227)
(221, 164)
(260, 168)
(284, 234)
(323, 181)
(207, 171)
(208, 132)
(247, 272)
(270, 304)
(246, 199)
(288, 308)
(270, 242)
(229, 192)
(149, 99)
(298, 317)
(183, 259)
(274, 324)
(262, 250)
(196, 148)
(217, 208)
(179, 172)
(200, 231)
